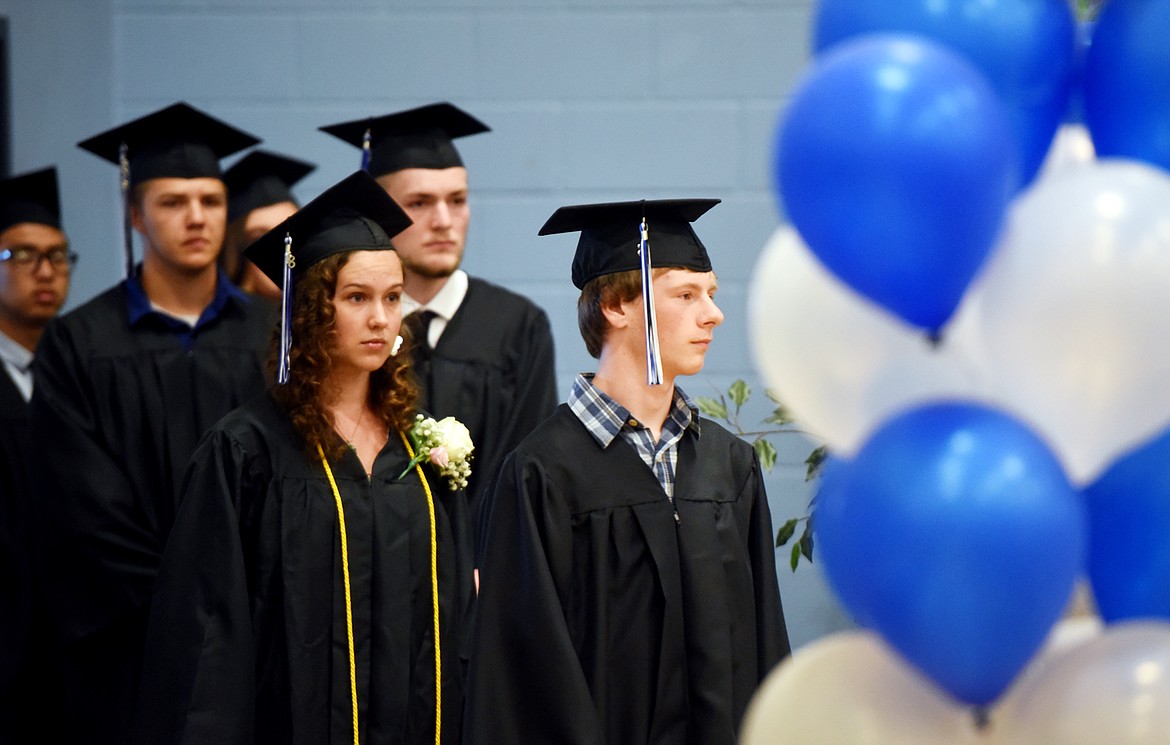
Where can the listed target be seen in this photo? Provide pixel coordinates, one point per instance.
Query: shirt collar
(445, 302)
(14, 354)
(604, 417)
(139, 306)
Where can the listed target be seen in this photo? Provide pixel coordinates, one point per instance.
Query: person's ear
(136, 217)
(617, 314)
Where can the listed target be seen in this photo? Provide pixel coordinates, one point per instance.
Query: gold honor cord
(348, 601)
(349, 604)
(434, 589)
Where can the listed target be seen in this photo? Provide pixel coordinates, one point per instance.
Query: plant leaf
(739, 392)
(773, 396)
(814, 461)
(765, 452)
(794, 556)
(712, 408)
(787, 530)
(780, 416)
(806, 542)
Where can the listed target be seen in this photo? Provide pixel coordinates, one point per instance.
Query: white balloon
(1113, 688)
(849, 688)
(1072, 147)
(1070, 319)
(840, 363)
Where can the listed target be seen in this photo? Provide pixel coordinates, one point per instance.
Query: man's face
(684, 306)
(436, 200)
(31, 295)
(182, 220)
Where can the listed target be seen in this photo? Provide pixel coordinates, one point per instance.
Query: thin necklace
(358, 423)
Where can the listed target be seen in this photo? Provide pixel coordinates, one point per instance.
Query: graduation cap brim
(609, 241)
(355, 214)
(30, 197)
(415, 138)
(177, 141)
(262, 178)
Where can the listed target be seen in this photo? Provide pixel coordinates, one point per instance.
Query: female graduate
(315, 560)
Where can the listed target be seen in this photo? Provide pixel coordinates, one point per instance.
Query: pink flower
(438, 456)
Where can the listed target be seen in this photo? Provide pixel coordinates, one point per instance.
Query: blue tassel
(366, 150)
(285, 312)
(653, 353)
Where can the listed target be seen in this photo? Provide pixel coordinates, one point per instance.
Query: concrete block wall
(589, 100)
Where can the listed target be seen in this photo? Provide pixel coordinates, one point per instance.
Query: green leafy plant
(728, 408)
(1087, 10)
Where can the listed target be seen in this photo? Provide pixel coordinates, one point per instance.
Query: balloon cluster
(975, 319)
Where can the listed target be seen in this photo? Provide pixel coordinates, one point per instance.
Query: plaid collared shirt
(606, 419)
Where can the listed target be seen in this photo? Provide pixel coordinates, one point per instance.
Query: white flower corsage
(446, 444)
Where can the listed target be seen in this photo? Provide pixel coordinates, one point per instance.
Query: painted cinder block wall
(589, 100)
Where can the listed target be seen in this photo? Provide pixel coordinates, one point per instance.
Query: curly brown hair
(393, 391)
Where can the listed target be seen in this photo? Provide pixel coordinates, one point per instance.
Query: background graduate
(259, 198)
(125, 385)
(311, 562)
(628, 584)
(488, 353)
(35, 266)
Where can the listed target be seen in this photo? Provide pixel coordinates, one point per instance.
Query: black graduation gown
(15, 566)
(247, 639)
(603, 616)
(493, 370)
(116, 413)
(29, 675)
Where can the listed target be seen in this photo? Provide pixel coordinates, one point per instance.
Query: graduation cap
(355, 214)
(31, 197)
(178, 141)
(416, 138)
(624, 236)
(262, 178)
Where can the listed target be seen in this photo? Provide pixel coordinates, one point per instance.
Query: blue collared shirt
(140, 307)
(606, 419)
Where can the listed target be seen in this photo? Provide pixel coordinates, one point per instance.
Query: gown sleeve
(524, 663)
(772, 632)
(100, 557)
(198, 680)
(537, 390)
(535, 397)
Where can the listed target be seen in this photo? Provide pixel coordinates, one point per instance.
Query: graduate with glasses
(319, 575)
(35, 264)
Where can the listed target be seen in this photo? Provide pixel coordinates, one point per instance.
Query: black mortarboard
(262, 178)
(179, 141)
(641, 235)
(355, 214)
(416, 138)
(31, 197)
(610, 239)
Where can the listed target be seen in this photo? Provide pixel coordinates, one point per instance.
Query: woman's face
(368, 310)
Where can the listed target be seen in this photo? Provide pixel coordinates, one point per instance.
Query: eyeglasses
(59, 259)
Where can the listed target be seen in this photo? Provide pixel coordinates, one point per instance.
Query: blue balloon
(1127, 81)
(1129, 534)
(955, 535)
(895, 162)
(1024, 48)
